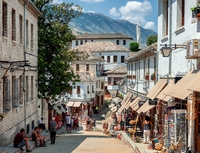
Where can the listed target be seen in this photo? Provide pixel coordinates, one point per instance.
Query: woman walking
(147, 129)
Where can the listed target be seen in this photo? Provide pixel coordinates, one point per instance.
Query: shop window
(13, 24)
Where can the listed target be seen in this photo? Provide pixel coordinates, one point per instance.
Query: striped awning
(70, 104)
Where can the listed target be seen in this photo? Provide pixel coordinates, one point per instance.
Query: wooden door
(197, 126)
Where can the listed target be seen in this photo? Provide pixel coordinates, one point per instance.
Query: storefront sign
(153, 102)
(140, 103)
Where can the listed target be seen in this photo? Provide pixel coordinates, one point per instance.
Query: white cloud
(91, 11)
(135, 11)
(150, 25)
(113, 11)
(92, 1)
(58, 1)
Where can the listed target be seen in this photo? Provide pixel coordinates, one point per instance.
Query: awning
(70, 103)
(195, 85)
(111, 105)
(164, 97)
(135, 105)
(157, 88)
(76, 104)
(145, 107)
(180, 89)
(113, 92)
(125, 101)
(114, 109)
(117, 100)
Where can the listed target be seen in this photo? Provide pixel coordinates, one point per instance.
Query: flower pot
(153, 78)
(147, 77)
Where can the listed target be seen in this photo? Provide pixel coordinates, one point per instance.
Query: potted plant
(147, 75)
(196, 11)
(153, 76)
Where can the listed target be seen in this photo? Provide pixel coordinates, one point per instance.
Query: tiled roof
(101, 47)
(119, 69)
(85, 76)
(103, 36)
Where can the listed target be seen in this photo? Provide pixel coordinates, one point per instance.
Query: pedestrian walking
(68, 123)
(147, 129)
(53, 127)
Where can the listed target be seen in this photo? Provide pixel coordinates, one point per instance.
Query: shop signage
(140, 103)
(153, 102)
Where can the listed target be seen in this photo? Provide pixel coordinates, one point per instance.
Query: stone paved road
(66, 143)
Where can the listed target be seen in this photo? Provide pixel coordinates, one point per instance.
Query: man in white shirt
(68, 123)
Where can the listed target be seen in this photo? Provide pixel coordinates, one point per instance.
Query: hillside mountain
(99, 23)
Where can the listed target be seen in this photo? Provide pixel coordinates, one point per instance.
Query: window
(13, 24)
(87, 67)
(27, 89)
(101, 85)
(180, 13)
(115, 81)
(14, 92)
(148, 65)
(27, 33)
(21, 90)
(91, 40)
(85, 41)
(117, 42)
(20, 29)
(145, 73)
(154, 64)
(31, 35)
(115, 59)
(108, 59)
(102, 57)
(78, 90)
(88, 89)
(76, 42)
(124, 42)
(139, 69)
(27, 128)
(6, 94)
(4, 19)
(81, 42)
(32, 125)
(32, 88)
(165, 18)
(92, 88)
(77, 67)
(122, 59)
(70, 90)
(109, 81)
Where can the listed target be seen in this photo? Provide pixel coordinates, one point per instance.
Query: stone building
(18, 86)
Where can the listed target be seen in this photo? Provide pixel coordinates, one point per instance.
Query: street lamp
(166, 51)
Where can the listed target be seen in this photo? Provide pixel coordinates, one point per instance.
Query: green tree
(54, 56)
(134, 46)
(151, 39)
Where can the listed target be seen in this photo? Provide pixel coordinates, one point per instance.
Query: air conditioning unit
(193, 49)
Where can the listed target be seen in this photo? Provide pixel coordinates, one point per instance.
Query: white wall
(128, 41)
(179, 36)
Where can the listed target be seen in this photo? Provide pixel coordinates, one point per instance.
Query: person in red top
(20, 140)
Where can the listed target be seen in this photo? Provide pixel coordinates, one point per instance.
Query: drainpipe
(24, 75)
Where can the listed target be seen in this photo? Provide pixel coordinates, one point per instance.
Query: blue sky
(137, 11)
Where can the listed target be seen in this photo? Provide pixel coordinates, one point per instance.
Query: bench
(31, 145)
